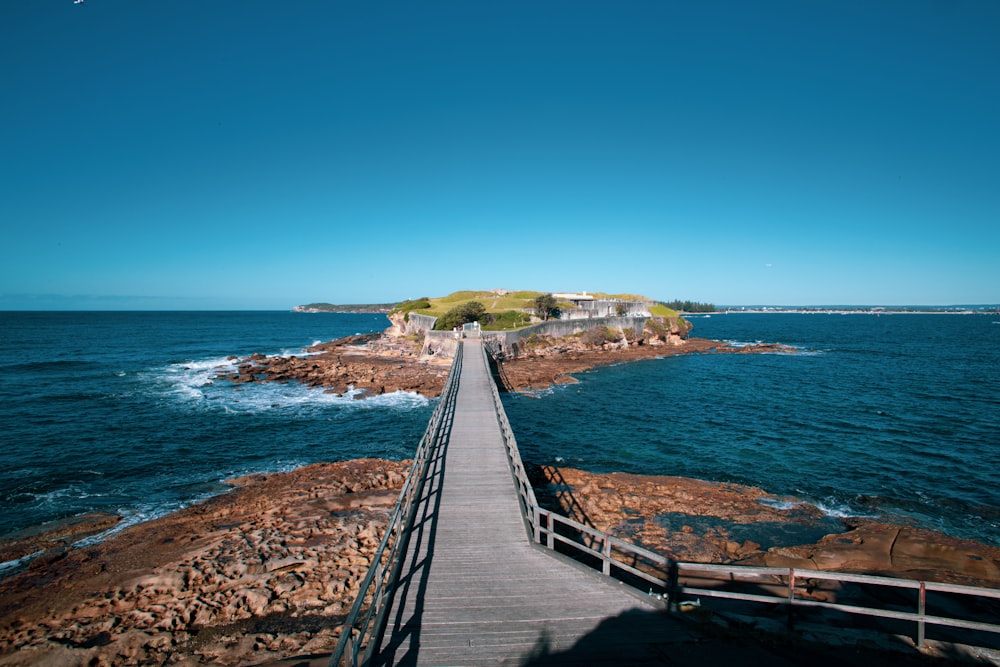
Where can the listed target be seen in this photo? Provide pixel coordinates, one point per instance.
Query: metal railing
(494, 348)
(525, 492)
(792, 587)
(776, 587)
(772, 585)
(367, 615)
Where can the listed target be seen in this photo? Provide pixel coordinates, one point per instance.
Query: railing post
(536, 524)
(921, 609)
(606, 555)
(791, 596)
(352, 650)
(550, 538)
(673, 583)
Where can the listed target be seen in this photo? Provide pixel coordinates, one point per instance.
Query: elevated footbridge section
(472, 587)
(470, 572)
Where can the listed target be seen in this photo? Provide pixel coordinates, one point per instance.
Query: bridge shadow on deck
(413, 578)
(626, 640)
(498, 372)
(634, 637)
(817, 637)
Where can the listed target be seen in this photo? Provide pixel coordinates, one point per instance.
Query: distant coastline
(345, 308)
(872, 310)
(960, 309)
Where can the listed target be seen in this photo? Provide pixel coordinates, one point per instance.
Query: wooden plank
(473, 587)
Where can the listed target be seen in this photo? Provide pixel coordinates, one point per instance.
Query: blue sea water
(119, 411)
(894, 416)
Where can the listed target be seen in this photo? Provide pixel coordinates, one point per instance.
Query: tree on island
(689, 306)
(546, 308)
(472, 311)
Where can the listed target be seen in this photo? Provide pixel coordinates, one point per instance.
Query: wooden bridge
(467, 572)
(474, 588)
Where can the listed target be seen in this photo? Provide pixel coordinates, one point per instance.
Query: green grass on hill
(659, 310)
(494, 303)
(505, 307)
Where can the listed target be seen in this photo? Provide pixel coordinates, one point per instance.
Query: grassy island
(503, 310)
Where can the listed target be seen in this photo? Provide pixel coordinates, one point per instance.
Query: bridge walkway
(475, 590)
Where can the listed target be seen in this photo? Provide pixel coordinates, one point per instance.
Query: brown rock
(190, 586)
(672, 509)
(922, 551)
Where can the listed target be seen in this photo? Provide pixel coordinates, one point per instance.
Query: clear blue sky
(223, 154)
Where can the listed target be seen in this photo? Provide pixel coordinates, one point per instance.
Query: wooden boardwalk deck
(475, 590)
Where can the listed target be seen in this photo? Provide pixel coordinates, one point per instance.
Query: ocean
(119, 411)
(894, 416)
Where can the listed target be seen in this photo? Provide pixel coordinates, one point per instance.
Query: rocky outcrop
(711, 522)
(552, 361)
(397, 325)
(265, 572)
(877, 548)
(268, 571)
(395, 360)
(367, 365)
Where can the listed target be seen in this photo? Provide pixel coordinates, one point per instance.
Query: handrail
(603, 546)
(787, 580)
(362, 624)
(494, 348)
(772, 585)
(525, 492)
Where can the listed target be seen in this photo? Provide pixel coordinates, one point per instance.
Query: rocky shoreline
(375, 364)
(714, 522)
(266, 572)
(368, 365)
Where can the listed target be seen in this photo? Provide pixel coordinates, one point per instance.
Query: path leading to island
(475, 590)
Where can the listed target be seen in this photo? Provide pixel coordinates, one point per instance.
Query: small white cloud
(769, 265)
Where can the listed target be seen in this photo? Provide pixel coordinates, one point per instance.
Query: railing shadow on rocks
(956, 613)
(555, 494)
(962, 614)
(367, 617)
(496, 357)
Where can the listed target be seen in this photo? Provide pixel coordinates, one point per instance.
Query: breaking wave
(200, 382)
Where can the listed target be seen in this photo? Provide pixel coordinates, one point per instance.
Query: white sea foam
(187, 379)
(830, 507)
(780, 504)
(741, 343)
(294, 396)
(789, 349)
(198, 381)
(133, 517)
(146, 512)
(55, 497)
(836, 509)
(18, 562)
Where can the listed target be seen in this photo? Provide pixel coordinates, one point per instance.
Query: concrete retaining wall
(418, 324)
(444, 343)
(440, 343)
(561, 328)
(605, 308)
